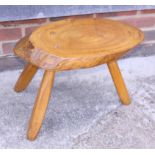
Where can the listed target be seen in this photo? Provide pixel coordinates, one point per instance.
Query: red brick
(126, 13)
(70, 17)
(114, 14)
(102, 15)
(20, 22)
(83, 16)
(58, 18)
(141, 21)
(29, 30)
(8, 47)
(10, 34)
(148, 11)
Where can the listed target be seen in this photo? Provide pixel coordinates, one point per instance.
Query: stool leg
(119, 82)
(40, 106)
(25, 77)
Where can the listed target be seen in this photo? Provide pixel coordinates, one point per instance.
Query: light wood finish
(71, 44)
(119, 82)
(40, 105)
(25, 77)
(78, 43)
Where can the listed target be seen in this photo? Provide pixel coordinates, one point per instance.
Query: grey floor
(84, 110)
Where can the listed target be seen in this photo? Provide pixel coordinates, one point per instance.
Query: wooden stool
(71, 44)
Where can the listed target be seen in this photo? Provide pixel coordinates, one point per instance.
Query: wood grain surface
(25, 77)
(78, 43)
(119, 82)
(40, 106)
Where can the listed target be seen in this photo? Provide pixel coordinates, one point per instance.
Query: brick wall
(12, 31)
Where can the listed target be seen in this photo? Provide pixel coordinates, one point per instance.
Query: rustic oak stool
(71, 44)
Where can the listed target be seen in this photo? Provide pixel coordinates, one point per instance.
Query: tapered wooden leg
(40, 106)
(25, 77)
(119, 82)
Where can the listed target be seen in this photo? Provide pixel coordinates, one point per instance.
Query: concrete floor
(84, 111)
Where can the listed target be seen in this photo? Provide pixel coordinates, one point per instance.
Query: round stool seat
(78, 43)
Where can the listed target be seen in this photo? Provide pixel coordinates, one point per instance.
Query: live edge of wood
(33, 48)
